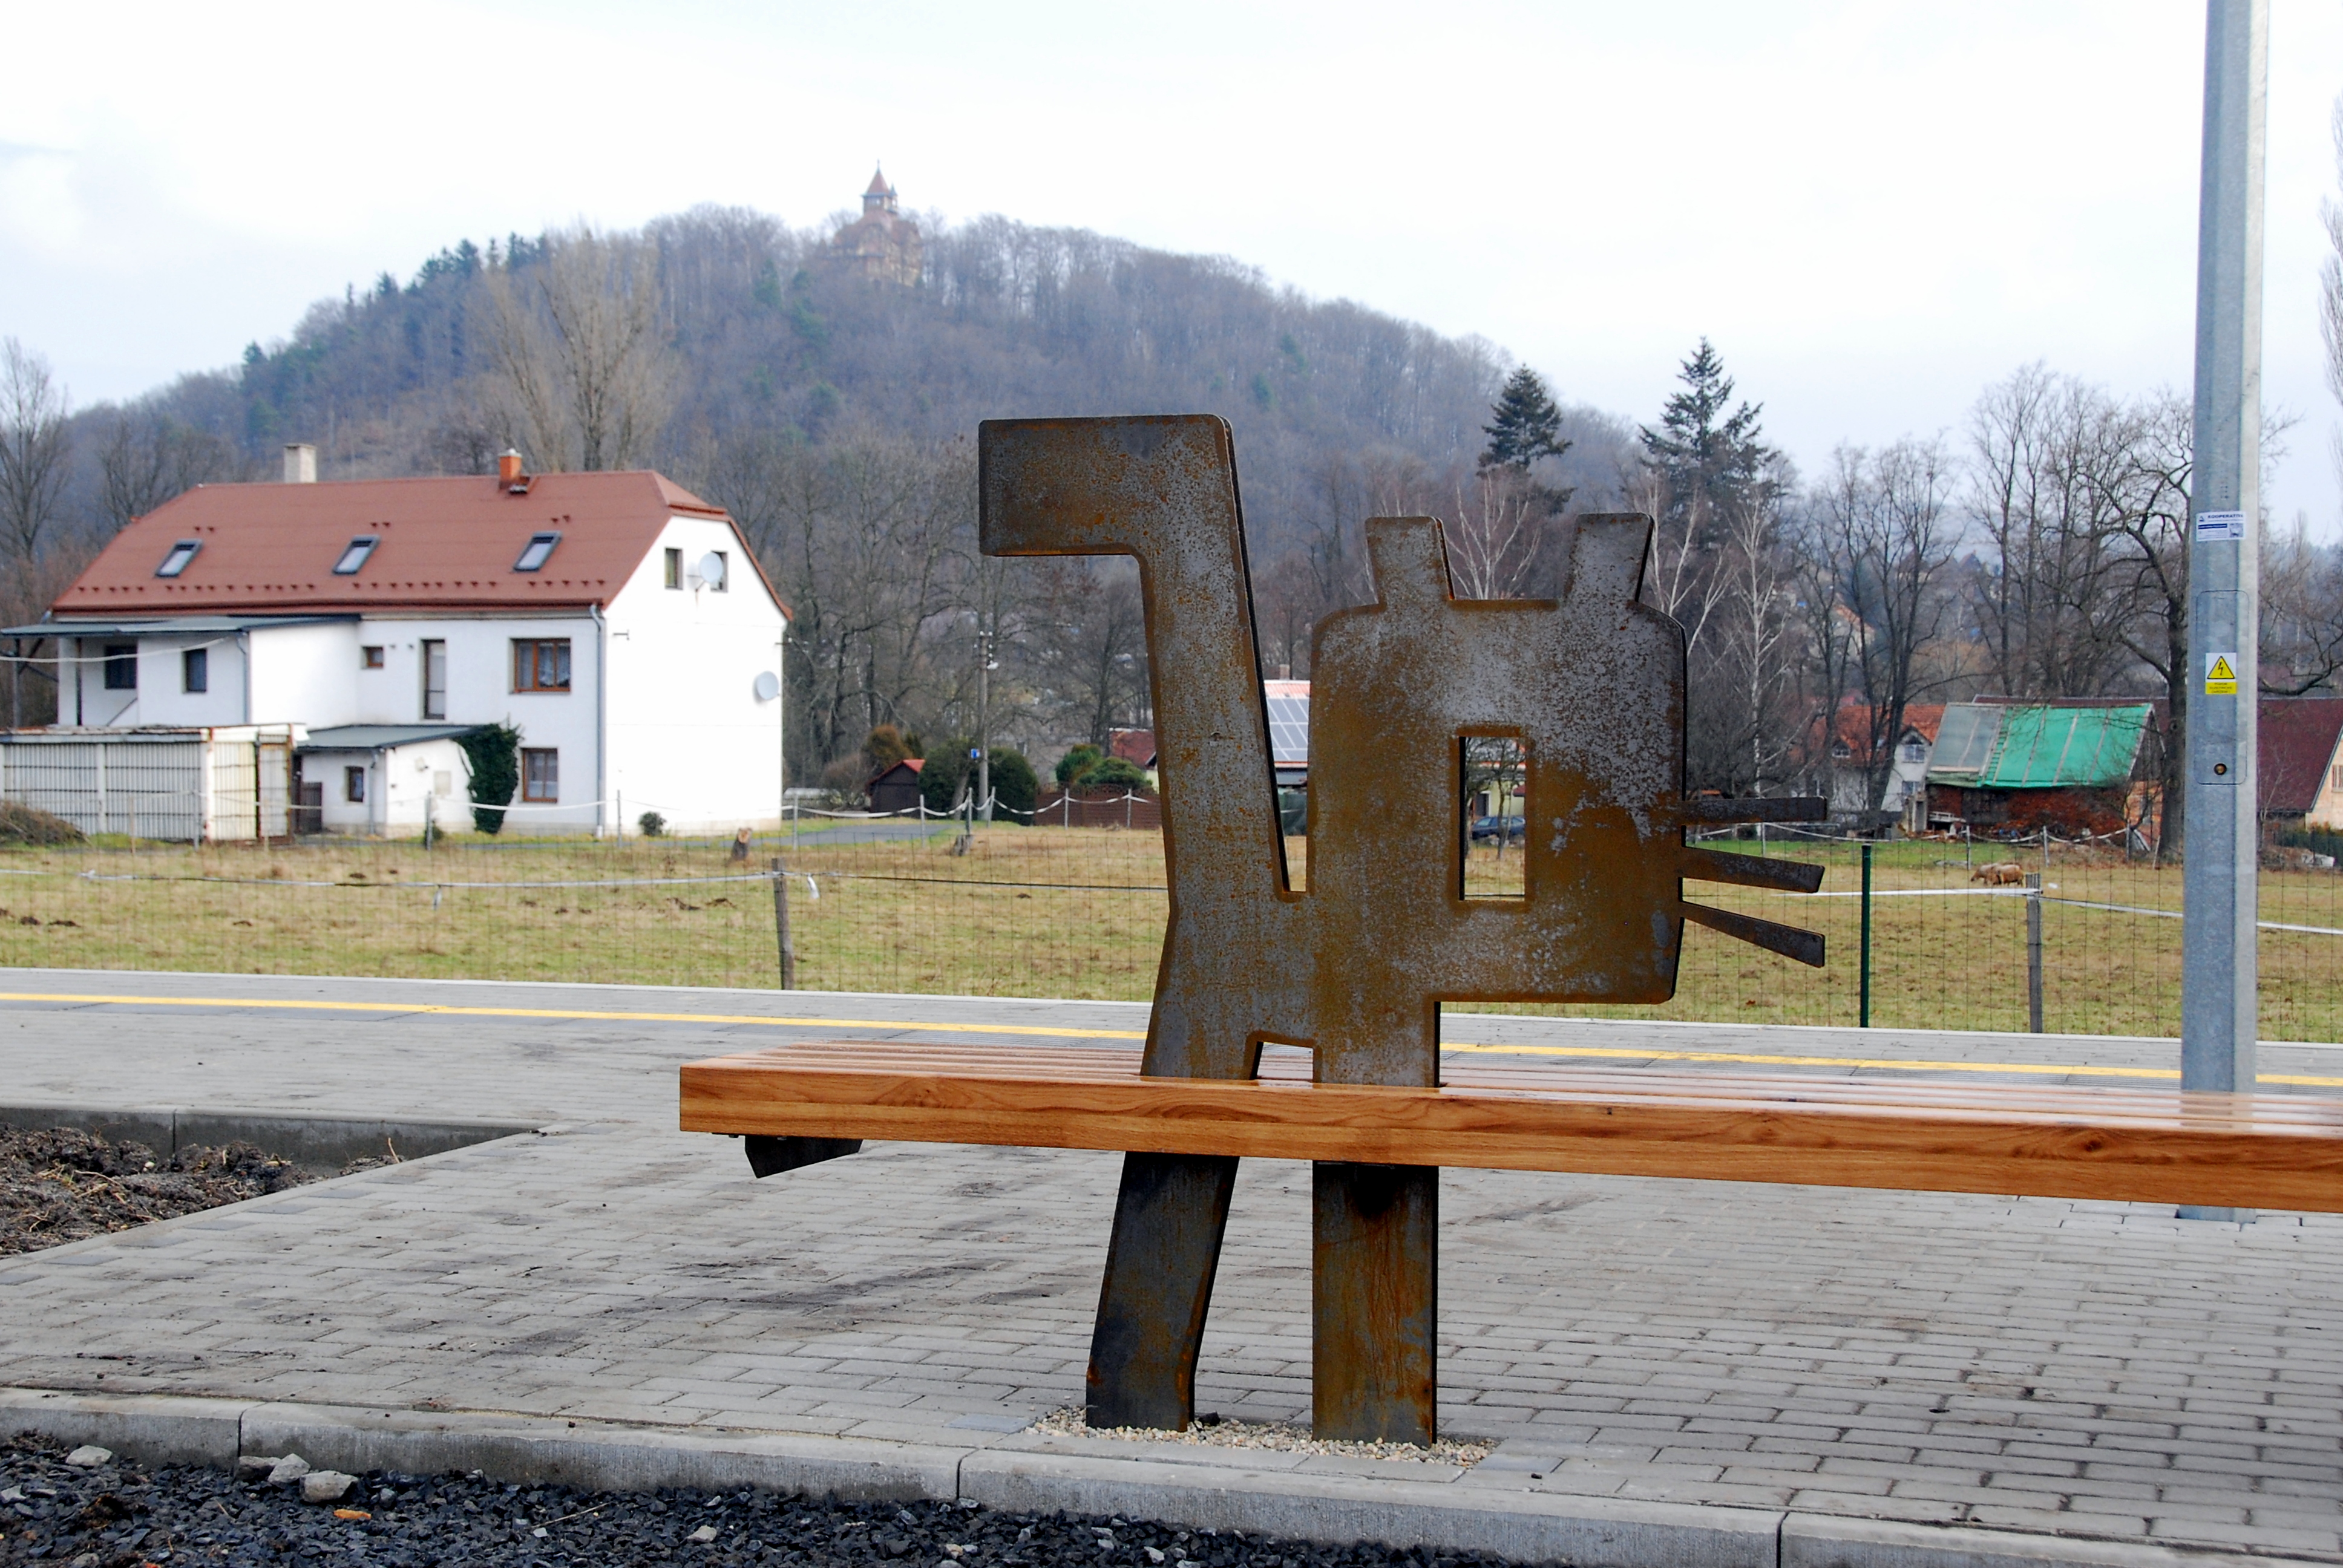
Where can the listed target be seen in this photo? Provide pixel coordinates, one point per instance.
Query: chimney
(300, 463)
(508, 472)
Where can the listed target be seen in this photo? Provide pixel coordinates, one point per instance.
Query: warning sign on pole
(2220, 675)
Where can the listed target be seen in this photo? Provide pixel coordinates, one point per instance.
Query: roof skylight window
(354, 555)
(539, 550)
(177, 561)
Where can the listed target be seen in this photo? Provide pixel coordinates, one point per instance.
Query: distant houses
(253, 660)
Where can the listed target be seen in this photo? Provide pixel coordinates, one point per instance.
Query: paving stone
(2043, 1365)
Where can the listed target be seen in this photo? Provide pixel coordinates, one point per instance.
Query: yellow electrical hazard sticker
(2220, 675)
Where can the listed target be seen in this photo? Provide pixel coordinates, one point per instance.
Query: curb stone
(1820, 1541)
(611, 1456)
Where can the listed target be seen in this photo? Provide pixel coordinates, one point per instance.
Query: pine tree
(1525, 424)
(1710, 459)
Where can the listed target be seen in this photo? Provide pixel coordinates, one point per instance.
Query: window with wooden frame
(540, 664)
(540, 776)
(370, 655)
(354, 785)
(674, 568)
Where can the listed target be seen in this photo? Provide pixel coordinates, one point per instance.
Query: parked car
(1491, 828)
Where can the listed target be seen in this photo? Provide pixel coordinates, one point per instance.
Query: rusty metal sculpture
(1589, 687)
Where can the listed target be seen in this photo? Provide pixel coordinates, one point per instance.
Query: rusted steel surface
(1591, 687)
(1374, 1300)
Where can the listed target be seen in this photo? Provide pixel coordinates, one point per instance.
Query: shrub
(1115, 773)
(1015, 786)
(652, 824)
(1078, 762)
(494, 752)
(22, 824)
(940, 776)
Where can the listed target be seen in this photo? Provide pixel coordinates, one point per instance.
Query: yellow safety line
(1637, 1054)
(2058, 1070)
(559, 1013)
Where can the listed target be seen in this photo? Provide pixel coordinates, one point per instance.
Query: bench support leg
(1374, 1288)
(1168, 1218)
(771, 1156)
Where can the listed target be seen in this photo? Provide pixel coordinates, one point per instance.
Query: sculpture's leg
(1169, 1219)
(1375, 1291)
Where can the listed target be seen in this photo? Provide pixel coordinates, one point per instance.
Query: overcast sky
(1873, 209)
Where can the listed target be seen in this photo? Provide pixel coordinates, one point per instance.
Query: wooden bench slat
(2140, 1145)
(1118, 1064)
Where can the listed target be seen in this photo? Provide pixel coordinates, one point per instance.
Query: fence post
(1863, 1004)
(789, 952)
(2034, 953)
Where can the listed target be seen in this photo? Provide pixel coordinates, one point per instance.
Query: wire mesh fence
(922, 906)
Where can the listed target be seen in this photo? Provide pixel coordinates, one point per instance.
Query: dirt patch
(58, 1184)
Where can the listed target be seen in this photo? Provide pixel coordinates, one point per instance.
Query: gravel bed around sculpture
(87, 1509)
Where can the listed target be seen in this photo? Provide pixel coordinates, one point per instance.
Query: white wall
(160, 699)
(304, 674)
(480, 691)
(400, 783)
(687, 737)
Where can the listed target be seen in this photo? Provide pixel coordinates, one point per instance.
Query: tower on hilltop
(882, 242)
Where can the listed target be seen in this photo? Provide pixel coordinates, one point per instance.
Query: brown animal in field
(2001, 874)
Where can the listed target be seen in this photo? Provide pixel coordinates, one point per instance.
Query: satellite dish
(768, 686)
(711, 570)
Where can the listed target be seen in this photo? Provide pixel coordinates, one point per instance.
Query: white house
(620, 622)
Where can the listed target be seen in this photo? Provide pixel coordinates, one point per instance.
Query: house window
(674, 568)
(370, 655)
(435, 678)
(121, 666)
(354, 785)
(722, 581)
(535, 554)
(540, 776)
(541, 664)
(196, 669)
(177, 560)
(354, 555)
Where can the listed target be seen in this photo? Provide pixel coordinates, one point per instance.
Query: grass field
(1079, 913)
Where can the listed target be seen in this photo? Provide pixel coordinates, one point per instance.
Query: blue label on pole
(2213, 525)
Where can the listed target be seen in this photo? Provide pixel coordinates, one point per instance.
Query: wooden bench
(2142, 1145)
(1357, 960)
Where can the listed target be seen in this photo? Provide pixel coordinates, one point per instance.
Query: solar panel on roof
(1289, 730)
(1965, 740)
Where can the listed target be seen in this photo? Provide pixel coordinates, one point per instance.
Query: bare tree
(2052, 474)
(582, 371)
(148, 457)
(1498, 523)
(34, 447)
(2302, 612)
(2330, 282)
(1091, 667)
(1885, 523)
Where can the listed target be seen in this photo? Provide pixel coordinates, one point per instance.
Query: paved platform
(1773, 1363)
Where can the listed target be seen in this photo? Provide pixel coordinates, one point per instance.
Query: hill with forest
(825, 386)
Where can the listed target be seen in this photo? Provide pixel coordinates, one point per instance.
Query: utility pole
(2223, 853)
(984, 665)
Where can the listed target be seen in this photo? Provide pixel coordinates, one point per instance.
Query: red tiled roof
(444, 543)
(1851, 726)
(1136, 747)
(2297, 738)
(878, 185)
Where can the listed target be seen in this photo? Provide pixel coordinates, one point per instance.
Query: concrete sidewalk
(1678, 1372)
